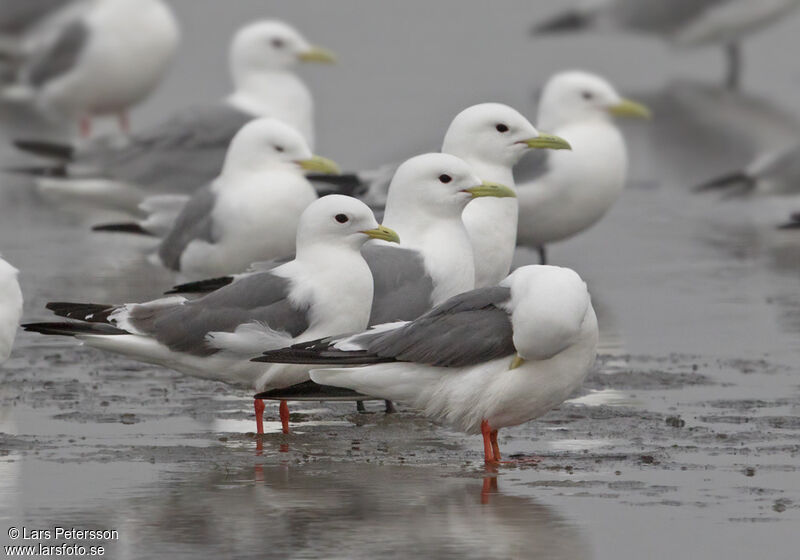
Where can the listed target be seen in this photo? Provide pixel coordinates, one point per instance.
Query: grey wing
(403, 287)
(61, 56)
(781, 168)
(193, 223)
(177, 155)
(260, 299)
(532, 166)
(467, 329)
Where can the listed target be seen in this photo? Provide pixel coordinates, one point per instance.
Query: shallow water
(683, 443)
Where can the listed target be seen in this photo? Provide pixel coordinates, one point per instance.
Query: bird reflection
(356, 510)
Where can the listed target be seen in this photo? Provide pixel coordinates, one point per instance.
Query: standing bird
(481, 361)
(434, 260)
(775, 173)
(250, 212)
(188, 149)
(692, 23)
(105, 60)
(563, 193)
(10, 308)
(326, 289)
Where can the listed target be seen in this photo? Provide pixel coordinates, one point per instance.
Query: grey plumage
(403, 288)
(61, 56)
(193, 223)
(17, 16)
(467, 329)
(184, 326)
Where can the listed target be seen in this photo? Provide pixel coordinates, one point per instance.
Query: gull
(249, 213)
(563, 193)
(481, 361)
(774, 173)
(491, 138)
(434, 260)
(325, 289)
(691, 23)
(10, 307)
(188, 149)
(105, 60)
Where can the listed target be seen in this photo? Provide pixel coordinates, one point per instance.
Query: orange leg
(258, 405)
(124, 122)
(86, 127)
(495, 447)
(284, 410)
(488, 449)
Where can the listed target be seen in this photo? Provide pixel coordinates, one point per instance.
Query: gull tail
(350, 184)
(738, 182)
(564, 22)
(201, 286)
(42, 148)
(131, 227)
(310, 391)
(90, 312)
(73, 329)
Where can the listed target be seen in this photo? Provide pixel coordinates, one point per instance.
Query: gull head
(339, 221)
(271, 45)
(494, 134)
(269, 143)
(436, 185)
(548, 307)
(575, 96)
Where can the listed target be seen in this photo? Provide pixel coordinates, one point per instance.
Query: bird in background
(481, 361)
(249, 213)
(102, 60)
(10, 308)
(327, 288)
(562, 193)
(188, 149)
(774, 173)
(686, 23)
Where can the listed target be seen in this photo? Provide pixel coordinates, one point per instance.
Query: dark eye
(445, 178)
(501, 128)
(278, 43)
(342, 218)
(278, 148)
(588, 95)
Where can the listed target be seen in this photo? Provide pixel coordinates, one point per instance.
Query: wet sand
(683, 443)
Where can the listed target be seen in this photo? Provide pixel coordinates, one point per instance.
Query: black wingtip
(38, 170)
(46, 149)
(201, 286)
(91, 312)
(737, 178)
(793, 223)
(131, 227)
(72, 329)
(566, 22)
(309, 390)
(349, 184)
(313, 356)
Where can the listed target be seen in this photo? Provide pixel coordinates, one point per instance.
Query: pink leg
(86, 127)
(258, 404)
(284, 410)
(495, 447)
